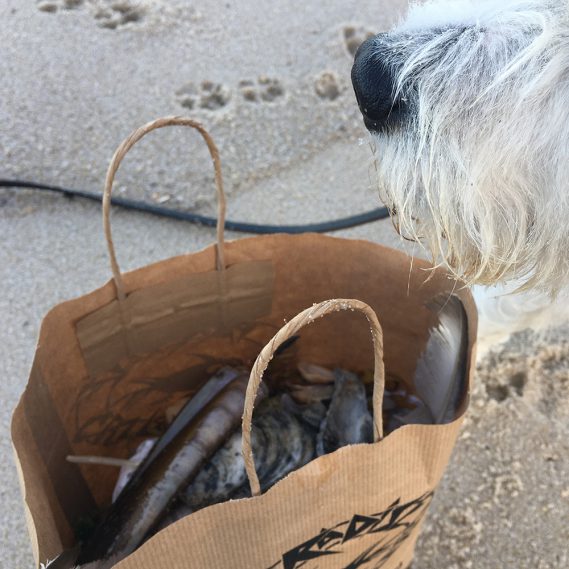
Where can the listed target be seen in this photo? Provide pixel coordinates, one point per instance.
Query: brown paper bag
(108, 364)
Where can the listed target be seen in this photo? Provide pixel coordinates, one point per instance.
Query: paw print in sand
(354, 36)
(55, 5)
(327, 86)
(499, 391)
(110, 14)
(265, 89)
(115, 14)
(209, 96)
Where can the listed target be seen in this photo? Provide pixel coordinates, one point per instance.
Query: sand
(271, 82)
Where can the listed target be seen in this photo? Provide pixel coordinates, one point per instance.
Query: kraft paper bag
(109, 363)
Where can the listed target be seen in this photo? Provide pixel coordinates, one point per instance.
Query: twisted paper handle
(290, 329)
(122, 151)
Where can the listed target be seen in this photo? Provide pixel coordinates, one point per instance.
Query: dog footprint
(209, 96)
(114, 14)
(500, 391)
(110, 14)
(266, 89)
(354, 36)
(55, 5)
(327, 86)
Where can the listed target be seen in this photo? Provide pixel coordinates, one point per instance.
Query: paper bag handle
(290, 329)
(118, 156)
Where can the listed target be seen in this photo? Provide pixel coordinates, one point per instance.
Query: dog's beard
(487, 229)
(477, 171)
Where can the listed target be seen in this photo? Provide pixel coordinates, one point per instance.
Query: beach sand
(270, 80)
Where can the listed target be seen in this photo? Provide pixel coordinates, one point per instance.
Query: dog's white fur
(479, 169)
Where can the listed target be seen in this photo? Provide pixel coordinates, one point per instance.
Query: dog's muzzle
(373, 83)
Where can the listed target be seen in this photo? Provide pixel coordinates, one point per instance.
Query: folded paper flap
(172, 312)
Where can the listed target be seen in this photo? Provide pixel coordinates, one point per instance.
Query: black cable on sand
(239, 226)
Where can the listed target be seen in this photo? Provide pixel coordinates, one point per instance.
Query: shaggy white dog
(468, 104)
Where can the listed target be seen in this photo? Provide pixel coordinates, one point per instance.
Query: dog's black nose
(373, 83)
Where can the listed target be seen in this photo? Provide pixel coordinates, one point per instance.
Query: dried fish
(281, 443)
(348, 420)
(175, 513)
(312, 414)
(198, 461)
(200, 429)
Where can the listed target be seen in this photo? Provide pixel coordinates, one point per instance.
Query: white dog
(468, 104)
